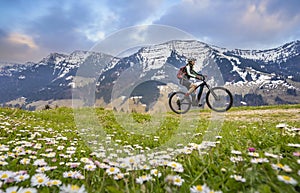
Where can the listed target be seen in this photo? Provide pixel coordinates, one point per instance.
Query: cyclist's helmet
(191, 59)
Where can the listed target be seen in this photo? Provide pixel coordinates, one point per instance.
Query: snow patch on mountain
(278, 55)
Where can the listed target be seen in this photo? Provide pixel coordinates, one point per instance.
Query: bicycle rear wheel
(179, 103)
(219, 99)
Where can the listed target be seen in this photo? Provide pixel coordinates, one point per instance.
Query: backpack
(181, 72)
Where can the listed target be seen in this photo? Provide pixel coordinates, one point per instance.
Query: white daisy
(25, 161)
(155, 173)
(143, 178)
(27, 190)
(279, 166)
(199, 189)
(6, 175)
(119, 176)
(177, 167)
(236, 152)
(272, 155)
(54, 183)
(39, 180)
(13, 189)
(112, 170)
(259, 160)
(72, 189)
(21, 177)
(177, 180)
(90, 167)
(238, 178)
(287, 179)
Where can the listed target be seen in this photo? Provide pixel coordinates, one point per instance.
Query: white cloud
(22, 39)
(237, 24)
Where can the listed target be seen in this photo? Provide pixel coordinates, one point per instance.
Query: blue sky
(30, 30)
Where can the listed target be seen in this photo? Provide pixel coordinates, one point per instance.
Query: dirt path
(291, 114)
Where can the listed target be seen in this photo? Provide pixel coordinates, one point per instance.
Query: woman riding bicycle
(189, 84)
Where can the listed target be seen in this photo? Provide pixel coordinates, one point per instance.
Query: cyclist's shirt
(190, 72)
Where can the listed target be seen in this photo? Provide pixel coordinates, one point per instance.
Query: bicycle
(218, 99)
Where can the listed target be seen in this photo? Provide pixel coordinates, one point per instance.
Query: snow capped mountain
(277, 55)
(259, 73)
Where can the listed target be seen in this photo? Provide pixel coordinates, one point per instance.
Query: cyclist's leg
(200, 91)
(186, 83)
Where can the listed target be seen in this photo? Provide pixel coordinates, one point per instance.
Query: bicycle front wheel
(219, 99)
(179, 103)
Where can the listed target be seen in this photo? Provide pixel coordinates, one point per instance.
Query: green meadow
(248, 149)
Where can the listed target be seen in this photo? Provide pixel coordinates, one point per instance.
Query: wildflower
(143, 178)
(223, 170)
(21, 177)
(238, 178)
(155, 173)
(236, 152)
(176, 166)
(145, 167)
(177, 180)
(73, 174)
(297, 154)
(90, 167)
(293, 145)
(25, 161)
(72, 189)
(39, 180)
(3, 157)
(272, 155)
(119, 176)
(54, 183)
(39, 162)
(86, 160)
(60, 147)
(112, 170)
(43, 169)
(253, 154)
(13, 189)
(259, 160)
(287, 179)
(199, 189)
(251, 149)
(73, 164)
(27, 190)
(3, 163)
(236, 159)
(6, 175)
(279, 166)
(281, 125)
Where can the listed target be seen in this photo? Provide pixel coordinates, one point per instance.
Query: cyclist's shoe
(178, 102)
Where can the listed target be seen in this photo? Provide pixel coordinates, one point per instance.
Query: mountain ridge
(53, 77)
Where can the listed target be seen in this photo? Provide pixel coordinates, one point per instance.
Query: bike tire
(219, 99)
(179, 103)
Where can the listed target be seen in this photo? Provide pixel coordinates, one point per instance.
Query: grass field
(248, 149)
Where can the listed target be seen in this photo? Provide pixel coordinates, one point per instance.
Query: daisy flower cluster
(34, 155)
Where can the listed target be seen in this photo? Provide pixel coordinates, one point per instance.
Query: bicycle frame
(203, 84)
